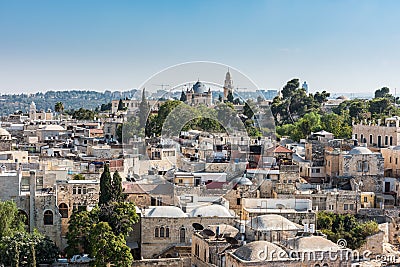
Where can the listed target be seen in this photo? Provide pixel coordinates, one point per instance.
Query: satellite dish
(197, 226)
(231, 240)
(208, 232)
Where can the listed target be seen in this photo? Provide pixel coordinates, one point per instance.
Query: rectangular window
(351, 206)
(346, 206)
(365, 199)
(238, 201)
(370, 139)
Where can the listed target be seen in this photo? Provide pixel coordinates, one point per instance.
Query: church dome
(199, 88)
(272, 222)
(166, 211)
(4, 132)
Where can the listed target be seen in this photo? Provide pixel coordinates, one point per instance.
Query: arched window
(63, 209)
(166, 231)
(156, 232)
(48, 217)
(325, 265)
(182, 235)
(161, 231)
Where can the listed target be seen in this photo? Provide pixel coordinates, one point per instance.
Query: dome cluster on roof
(241, 181)
(272, 222)
(199, 88)
(253, 250)
(210, 211)
(52, 127)
(360, 150)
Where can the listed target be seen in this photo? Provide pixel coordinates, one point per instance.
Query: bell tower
(228, 85)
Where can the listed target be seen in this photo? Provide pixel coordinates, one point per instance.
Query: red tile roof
(282, 149)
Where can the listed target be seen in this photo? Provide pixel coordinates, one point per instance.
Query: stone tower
(32, 111)
(228, 85)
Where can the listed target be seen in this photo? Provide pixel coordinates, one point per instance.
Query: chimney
(32, 190)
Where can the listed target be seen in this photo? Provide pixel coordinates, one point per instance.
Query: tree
(346, 226)
(107, 247)
(117, 194)
(83, 114)
(25, 249)
(59, 107)
(321, 97)
(183, 97)
(336, 124)
(120, 105)
(144, 110)
(78, 176)
(220, 98)
(105, 186)
(383, 92)
(229, 97)
(10, 219)
(121, 216)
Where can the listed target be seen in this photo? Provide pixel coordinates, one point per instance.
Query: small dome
(224, 229)
(4, 132)
(272, 222)
(360, 150)
(52, 127)
(211, 211)
(342, 97)
(253, 250)
(166, 211)
(313, 243)
(241, 181)
(199, 88)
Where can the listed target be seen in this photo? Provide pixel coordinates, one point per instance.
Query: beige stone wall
(391, 162)
(364, 131)
(150, 245)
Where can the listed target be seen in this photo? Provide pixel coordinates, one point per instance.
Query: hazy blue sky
(348, 46)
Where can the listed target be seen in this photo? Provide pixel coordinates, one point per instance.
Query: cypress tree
(183, 97)
(105, 186)
(229, 97)
(117, 187)
(120, 105)
(144, 110)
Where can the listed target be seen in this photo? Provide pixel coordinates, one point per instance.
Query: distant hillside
(73, 99)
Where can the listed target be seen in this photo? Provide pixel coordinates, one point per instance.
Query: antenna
(197, 226)
(208, 232)
(231, 240)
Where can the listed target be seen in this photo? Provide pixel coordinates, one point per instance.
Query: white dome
(272, 222)
(166, 211)
(253, 250)
(313, 243)
(4, 132)
(211, 211)
(360, 150)
(52, 127)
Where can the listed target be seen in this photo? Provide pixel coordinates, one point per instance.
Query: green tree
(10, 219)
(105, 186)
(144, 110)
(83, 114)
(78, 176)
(229, 97)
(120, 105)
(183, 97)
(117, 193)
(346, 226)
(336, 124)
(108, 248)
(383, 92)
(121, 216)
(59, 107)
(220, 98)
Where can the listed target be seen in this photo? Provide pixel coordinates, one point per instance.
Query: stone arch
(63, 209)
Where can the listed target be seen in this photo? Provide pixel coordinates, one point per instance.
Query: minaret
(32, 111)
(228, 85)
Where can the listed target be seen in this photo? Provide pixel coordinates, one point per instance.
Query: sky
(339, 46)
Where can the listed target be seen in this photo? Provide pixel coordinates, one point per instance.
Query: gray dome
(360, 150)
(253, 250)
(166, 211)
(211, 211)
(313, 243)
(242, 181)
(199, 88)
(272, 222)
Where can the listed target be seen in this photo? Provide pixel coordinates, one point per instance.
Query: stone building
(209, 250)
(78, 195)
(199, 94)
(167, 230)
(358, 164)
(391, 157)
(5, 140)
(378, 135)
